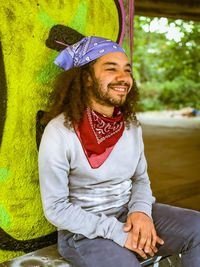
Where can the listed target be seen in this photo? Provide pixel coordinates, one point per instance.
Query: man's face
(113, 79)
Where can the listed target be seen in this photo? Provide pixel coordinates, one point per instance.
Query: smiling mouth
(119, 89)
(122, 88)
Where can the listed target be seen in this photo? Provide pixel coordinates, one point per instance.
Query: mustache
(119, 84)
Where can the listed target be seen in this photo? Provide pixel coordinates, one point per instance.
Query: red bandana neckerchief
(98, 135)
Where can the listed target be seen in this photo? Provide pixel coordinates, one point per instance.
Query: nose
(122, 76)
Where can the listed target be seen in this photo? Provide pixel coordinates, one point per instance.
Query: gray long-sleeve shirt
(83, 200)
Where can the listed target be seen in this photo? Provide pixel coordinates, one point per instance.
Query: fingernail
(146, 250)
(134, 246)
(140, 248)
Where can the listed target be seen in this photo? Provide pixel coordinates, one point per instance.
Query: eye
(128, 70)
(111, 69)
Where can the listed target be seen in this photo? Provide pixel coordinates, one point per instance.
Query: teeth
(120, 89)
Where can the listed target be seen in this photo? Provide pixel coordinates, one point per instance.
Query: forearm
(141, 195)
(73, 218)
(141, 199)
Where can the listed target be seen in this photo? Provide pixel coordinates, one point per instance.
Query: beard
(105, 98)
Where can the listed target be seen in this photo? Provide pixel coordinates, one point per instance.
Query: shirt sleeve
(141, 195)
(54, 168)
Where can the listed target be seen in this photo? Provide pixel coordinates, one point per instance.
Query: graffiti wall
(31, 34)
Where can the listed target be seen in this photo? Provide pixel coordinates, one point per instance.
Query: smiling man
(93, 173)
(113, 80)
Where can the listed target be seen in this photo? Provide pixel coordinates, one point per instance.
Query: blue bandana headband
(85, 51)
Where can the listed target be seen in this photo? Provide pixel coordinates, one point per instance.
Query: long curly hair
(71, 96)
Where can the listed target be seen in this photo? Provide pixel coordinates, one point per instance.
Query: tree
(167, 62)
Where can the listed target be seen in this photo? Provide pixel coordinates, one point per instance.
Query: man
(93, 172)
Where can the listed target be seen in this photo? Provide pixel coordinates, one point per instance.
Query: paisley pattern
(101, 129)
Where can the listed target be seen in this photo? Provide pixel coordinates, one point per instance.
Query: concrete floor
(172, 148)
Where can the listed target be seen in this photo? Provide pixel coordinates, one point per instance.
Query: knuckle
(135, 238)
(142, 240)
(141, 253)
(147, 245)
(154, 238)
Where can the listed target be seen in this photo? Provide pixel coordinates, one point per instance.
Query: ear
(89, 80)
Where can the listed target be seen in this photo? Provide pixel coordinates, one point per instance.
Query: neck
(102, 109)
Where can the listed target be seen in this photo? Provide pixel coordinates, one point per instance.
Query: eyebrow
(115, 64)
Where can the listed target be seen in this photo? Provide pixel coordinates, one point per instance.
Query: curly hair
(71, 96)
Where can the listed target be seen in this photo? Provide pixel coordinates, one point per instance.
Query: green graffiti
(4, 217)
(81, 12)
(5, 220)
(46, 20)
(4, 174)
(49, 71)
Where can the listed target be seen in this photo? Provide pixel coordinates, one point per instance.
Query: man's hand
(142, 237)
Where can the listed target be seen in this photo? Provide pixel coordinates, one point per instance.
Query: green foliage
(175, 94)
(149, 97)
(167, 69)
(180, 93)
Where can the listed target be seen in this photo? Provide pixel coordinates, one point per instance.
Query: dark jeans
(178, 227)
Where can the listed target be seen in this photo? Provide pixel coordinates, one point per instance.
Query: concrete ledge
(163, 118)
(49, 257)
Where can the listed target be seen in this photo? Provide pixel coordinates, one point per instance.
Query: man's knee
(176, 222)
(193, 225)
(190, 228)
